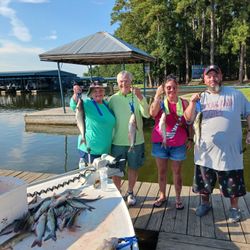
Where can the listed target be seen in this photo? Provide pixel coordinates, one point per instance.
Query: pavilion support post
(144, 80)
(61, 90)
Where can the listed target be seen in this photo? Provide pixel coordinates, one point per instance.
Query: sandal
(179, 205)
(159, 202)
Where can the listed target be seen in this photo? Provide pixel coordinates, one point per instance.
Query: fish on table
(49, 214)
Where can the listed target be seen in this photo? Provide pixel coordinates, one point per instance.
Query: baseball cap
(212, 67)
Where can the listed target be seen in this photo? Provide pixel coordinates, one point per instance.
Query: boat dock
(182, 229)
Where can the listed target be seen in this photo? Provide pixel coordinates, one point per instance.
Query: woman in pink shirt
(169, 136)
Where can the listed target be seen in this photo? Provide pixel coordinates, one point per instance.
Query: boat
(110, 218)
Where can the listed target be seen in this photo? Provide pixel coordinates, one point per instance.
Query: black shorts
(231, 182)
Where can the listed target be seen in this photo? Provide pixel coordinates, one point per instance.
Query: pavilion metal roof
(99, 48)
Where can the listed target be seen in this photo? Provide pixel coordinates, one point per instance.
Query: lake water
(55, 153)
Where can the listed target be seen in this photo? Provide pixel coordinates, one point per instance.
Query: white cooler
(13, 199)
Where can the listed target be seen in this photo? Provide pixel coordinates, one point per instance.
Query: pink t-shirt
(171, 119)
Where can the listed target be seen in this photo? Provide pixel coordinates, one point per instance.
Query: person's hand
(159, 92)
(248, 137)
(195, 97)
(138, 93)
(77, 90)
(189, 144)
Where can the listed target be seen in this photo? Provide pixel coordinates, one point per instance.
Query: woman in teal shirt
(99, 122)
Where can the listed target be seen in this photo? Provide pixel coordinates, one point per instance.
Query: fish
(109, 244)
(197, 128)
(40, 230)
(132, 127)
(80, 120)
(51, 225)
(11, 242)
(162, 127)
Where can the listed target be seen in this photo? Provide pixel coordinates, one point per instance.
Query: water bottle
(81, 163)
(103, 172)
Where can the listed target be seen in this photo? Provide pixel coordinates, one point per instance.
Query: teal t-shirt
(99, 123)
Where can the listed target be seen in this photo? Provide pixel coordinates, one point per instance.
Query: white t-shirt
(220, 145)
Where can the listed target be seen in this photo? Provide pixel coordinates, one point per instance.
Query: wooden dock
(180, 229)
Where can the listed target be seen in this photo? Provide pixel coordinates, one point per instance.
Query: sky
(31, 27)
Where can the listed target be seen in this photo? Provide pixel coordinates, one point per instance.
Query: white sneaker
(131, 200)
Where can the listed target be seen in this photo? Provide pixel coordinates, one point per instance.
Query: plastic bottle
(103, 172)
(81, 163)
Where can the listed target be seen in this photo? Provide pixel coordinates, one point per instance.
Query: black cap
(212, 67)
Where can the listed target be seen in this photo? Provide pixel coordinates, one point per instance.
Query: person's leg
(162, 165)
(232, 186)
(135, 161)
(204, 182)
(119, 151)
(117, 181)
(177, 178)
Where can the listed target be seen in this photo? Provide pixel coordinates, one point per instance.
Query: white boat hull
(110, 218)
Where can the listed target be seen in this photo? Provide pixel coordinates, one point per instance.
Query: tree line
(182, 33)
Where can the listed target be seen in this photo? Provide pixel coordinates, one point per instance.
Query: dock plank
(173, 241)
(194, 222)
(181, 219)
(156, 219)
(140, 197)
(147, 207)
(170, 213)
(220, 222)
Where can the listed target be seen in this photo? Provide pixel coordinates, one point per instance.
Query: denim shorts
(135, 158)
(173, 153)
(231, 182)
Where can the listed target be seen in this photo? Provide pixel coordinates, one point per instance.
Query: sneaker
(234, 215)
(203, 209)
(131, 200)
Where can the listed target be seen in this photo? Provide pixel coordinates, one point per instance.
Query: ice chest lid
(10, 183)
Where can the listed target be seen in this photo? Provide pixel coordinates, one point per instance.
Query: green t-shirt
(99, 123)
(120, 105)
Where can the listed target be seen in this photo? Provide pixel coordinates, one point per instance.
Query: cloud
(16, 57)
(19, 30)
(8, 47)
(52, 36)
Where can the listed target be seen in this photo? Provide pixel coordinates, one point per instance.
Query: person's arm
(189, 112)
(248, 130)
(144, 107)
(73, 101)
(156, 104)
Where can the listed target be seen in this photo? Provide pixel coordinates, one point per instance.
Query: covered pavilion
(97, 49)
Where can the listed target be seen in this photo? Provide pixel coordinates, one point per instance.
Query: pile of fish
(46, 215)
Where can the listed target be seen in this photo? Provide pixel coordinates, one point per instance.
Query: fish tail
(51, 236)
(36, 242)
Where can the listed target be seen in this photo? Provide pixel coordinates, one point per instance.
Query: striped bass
(197, 128)
(132, 127)
(162, 127)
(80, 120)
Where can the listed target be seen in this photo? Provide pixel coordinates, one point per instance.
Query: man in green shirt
(124, 103)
